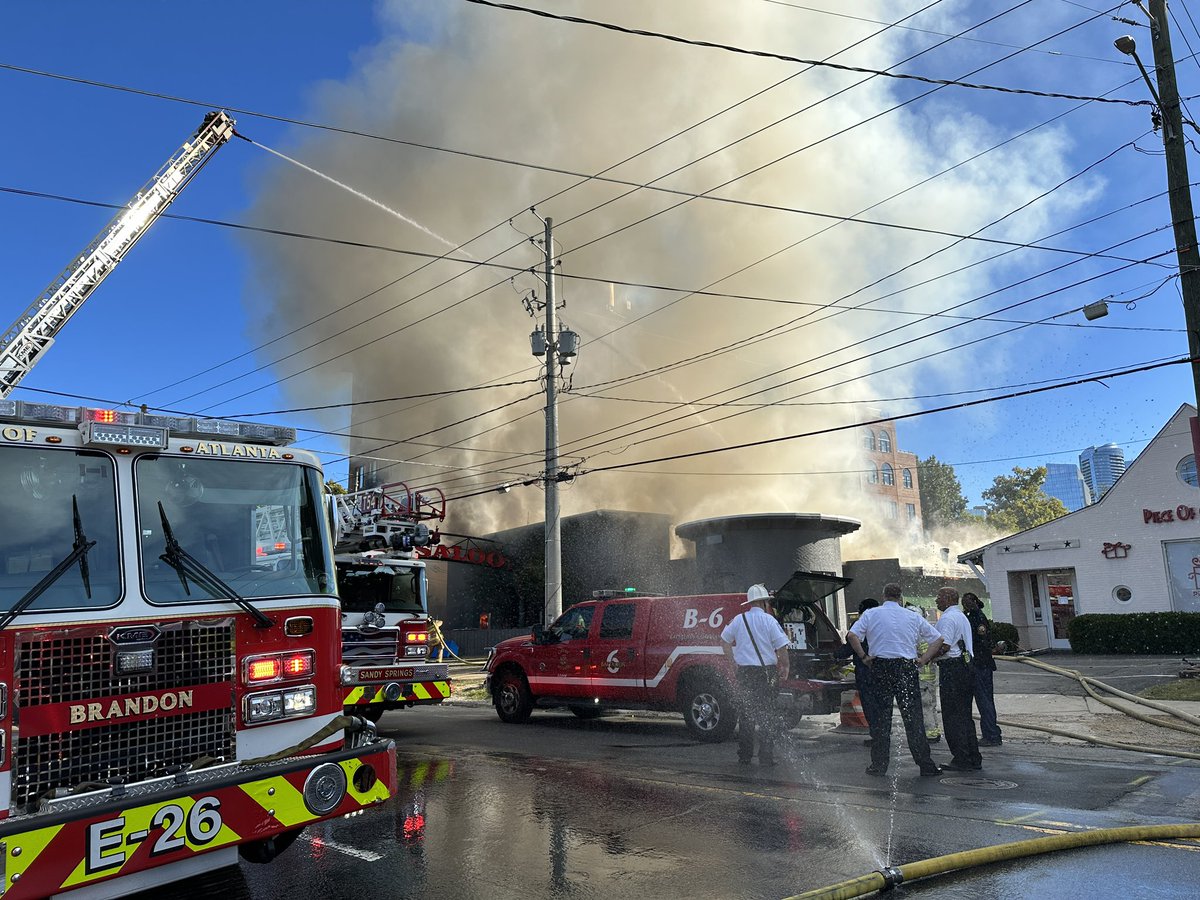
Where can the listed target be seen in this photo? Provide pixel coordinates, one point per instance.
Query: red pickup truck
(664, 653)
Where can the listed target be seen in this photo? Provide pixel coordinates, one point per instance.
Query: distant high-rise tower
(1064, 481)
(1101, 467)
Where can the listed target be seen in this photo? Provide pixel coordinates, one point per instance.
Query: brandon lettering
(129, 707)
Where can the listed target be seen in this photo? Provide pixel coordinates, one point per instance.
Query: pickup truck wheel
(791, 718)
(514, 702)
(708, 710)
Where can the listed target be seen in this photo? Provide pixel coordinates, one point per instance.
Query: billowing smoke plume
(506, 86)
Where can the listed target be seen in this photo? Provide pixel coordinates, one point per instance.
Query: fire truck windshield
(36, 487)
(362, 587)
(223, 512)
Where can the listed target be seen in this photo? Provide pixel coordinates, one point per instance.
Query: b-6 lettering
(691, 618)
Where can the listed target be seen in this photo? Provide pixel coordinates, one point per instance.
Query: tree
(332, 487)
(1017, 502)
(942, 500)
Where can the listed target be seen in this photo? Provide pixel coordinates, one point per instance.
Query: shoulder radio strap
(753, 642)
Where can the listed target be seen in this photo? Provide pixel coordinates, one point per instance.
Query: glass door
(1060, 594)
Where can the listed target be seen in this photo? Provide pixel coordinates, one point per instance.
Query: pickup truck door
(615, 660)
(558, 667)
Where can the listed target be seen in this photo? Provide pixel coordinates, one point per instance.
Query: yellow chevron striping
(279, 799)
(355, 696)
(23, 851)
(165, 824)
(378, 792)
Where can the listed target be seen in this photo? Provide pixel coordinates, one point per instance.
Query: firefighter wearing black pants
(758, 645)
(957, 683)
(892, 632)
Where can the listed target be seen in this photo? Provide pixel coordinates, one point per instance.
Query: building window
(1187, 470)
(872, 474)
(1122, 594)
(889, 509)
(885, 442)
(911, 509)
(889, 474)
(869, 440)
(908, 479)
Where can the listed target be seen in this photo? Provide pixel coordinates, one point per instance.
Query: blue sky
(190, 296)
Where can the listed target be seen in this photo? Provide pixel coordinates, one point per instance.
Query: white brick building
(1136, 550)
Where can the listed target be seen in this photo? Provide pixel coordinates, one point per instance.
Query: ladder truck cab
(168, 697)
(387, 633)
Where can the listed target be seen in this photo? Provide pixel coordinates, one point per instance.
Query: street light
(1127, 45)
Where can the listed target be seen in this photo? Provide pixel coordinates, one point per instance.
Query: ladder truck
(170, 696)
(386, 626)
(28, 338)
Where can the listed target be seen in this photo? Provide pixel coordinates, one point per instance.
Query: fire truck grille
(376, 648)
(131, 751)
(73, 666)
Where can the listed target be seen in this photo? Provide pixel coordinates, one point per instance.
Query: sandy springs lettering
(130, 706)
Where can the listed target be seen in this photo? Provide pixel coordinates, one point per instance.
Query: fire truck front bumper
(84, 839)
(396, 686)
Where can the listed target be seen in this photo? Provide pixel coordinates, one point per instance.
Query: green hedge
(1164, 632)
(1003, 631)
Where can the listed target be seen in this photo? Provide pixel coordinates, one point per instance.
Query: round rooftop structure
(734, 552)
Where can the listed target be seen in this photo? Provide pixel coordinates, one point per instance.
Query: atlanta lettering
(212, 448)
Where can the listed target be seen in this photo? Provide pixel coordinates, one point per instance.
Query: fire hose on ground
(889, 877)
(1187, 723)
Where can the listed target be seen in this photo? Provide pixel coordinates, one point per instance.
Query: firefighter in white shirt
(891, 633)
(758, 645)
(957, 682)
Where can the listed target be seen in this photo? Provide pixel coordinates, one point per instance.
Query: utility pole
(1179, 193)
(553, 523)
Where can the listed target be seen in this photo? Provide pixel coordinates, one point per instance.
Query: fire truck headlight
(264, 707)
(324, 789)
(300, 702)
(416, 651)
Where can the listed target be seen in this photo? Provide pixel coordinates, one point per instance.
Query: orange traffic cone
(853, 719)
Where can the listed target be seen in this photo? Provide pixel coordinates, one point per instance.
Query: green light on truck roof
(630, 590)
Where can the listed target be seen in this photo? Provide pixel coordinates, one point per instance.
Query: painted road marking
(328, 844)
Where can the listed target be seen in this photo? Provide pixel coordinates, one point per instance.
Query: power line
(930, 31)
(944, 82)
(834, 429)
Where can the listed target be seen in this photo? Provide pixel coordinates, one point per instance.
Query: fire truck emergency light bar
(139, 429)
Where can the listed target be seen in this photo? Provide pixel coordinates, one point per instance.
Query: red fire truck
(644, 651)
(169, 697)
(385, 609)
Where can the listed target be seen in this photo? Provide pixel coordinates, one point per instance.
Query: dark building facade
(601, 550)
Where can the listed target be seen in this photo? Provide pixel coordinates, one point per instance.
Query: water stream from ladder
(387, 209)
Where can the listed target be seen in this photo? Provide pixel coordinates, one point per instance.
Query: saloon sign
(1181, 513)
(473, 556)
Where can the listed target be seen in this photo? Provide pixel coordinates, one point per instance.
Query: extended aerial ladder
(32, 334)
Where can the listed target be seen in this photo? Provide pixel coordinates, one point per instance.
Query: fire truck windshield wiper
(78, 554)
(186, 564)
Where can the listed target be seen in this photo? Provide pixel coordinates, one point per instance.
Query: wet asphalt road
(630, 807)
